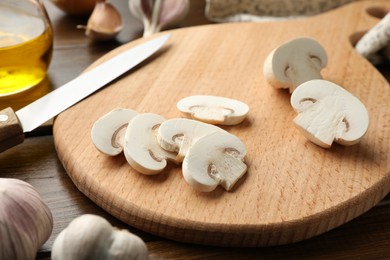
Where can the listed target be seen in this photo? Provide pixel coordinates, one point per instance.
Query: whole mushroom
(375, 44)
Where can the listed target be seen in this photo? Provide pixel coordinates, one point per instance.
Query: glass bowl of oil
(26, 45)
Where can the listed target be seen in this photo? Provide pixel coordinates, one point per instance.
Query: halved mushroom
(108, 131)
(214, 109)
(328, 112)
(295, 62)
(215, 159)
(178, 134)
(141, 149)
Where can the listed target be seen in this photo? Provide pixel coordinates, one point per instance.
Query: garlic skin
(76, 7)
(104, 23)
(25, 220)
(92, 237)
(158, 14)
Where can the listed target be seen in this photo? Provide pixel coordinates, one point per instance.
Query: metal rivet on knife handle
(11, 132)
(26, 119)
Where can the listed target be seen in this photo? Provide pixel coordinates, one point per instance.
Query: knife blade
(14, 125)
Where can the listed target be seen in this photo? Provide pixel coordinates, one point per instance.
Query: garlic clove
(158, 14)
(92, 237)
(104, 23)
(142, 10)
(172, 11)
(25, 220)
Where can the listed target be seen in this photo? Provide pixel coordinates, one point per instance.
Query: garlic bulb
(158, 14)
(104, 23)
(76, 7)
(25, 220)
(93, 237)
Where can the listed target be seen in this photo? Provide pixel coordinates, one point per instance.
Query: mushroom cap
(214, 109)
(328, 112)
(108, 131)
(178, 134)
(295, 62)
(141, 149)
(215, 159)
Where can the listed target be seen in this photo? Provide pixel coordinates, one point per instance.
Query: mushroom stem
(295, 62)
(300, 72)
(328, 113)
(215, 159)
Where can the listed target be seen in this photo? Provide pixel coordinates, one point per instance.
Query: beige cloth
(259, 10)
(374, 45)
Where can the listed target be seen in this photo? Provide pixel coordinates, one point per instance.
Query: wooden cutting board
(293, 189)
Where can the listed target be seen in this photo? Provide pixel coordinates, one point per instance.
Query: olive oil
(25, 49)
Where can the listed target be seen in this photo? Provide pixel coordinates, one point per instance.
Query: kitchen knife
(14, 125)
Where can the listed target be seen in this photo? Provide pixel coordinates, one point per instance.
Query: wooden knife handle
(11, 132)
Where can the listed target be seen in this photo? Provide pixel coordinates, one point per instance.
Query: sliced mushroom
(178, 134)
(328, 112)
(215, 159)
(214, 109)
(295, 62)
(141, 149)
(108, 131)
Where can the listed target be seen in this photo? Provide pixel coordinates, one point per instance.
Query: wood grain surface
(293, 190)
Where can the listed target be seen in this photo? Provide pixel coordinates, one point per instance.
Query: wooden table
(36, 162)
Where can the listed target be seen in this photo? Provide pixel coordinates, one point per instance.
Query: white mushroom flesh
(214, 109)
(295, 62)
(178, 134)
(108, 131)
(142, 150)
(215, 159)
(328, 113)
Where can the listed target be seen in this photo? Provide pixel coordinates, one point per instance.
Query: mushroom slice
(178, 134)
(215, 159)
(108, 131)
(295, 62)
(328, 112)
(214, 109)
(141, 149)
